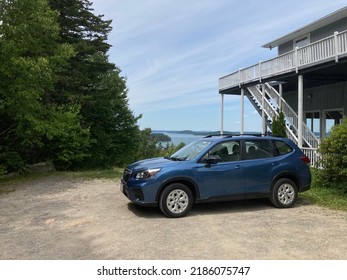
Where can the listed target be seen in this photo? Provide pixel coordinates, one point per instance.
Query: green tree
(147, 146)
(95, 84)
(87, 34)
(31, 57)
(333, 150)
(169, 149)
(114, 129)
(150, 147)
(279, 125)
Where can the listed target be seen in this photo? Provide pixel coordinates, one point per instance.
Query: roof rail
(219, 135)
(242, 134)
(259, 134)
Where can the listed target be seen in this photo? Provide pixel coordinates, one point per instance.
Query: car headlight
(146, 174)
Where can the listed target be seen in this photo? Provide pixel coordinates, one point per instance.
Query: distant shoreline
(198, 132)
(186, 132)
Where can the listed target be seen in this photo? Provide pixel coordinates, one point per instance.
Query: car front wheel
(176, 200)
(284, 193)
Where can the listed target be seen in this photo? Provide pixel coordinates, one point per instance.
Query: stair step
(272, 98)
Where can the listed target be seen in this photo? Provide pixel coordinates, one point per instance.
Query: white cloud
(173, 52)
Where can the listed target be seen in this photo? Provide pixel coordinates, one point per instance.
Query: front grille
(126, 174)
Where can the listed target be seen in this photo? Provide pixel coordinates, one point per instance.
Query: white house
(307, 81)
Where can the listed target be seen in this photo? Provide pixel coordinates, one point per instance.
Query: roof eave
(335, 16)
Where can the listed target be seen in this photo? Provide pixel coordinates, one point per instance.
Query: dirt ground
(61, 217)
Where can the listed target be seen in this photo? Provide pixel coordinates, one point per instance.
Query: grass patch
(7, 183)
(326, 197)
(115, 173)
(25, 177)
(6, 189)
(330, 195)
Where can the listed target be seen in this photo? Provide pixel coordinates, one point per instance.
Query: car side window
(224, 152)
(282, 148)
(256, 149)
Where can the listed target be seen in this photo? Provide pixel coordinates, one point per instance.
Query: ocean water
(186, 138)
(177, 138)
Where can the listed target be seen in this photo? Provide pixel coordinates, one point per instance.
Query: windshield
(191, 150)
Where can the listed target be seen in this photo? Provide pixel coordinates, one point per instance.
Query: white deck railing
(271, 109)
(330, 48)
(292, 117)
(313, 156)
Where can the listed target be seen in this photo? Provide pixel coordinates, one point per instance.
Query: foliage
(327, 194)
(87, 33)
(150, 147)
(94, 83)
(30, 60)
(60, 97)
(65, 141)
(161, 137)
(333, 150)
(279, 125)
(114, 130)
(169, 149)
(147, 146)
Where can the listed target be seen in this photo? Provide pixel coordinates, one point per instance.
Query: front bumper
(135, 194)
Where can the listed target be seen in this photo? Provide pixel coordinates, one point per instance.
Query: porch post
(242, 116)
(300, 108)
(222, 114)
(281, 95)
(323, 124)
(263, 116)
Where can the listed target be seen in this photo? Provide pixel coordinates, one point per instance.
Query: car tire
(176, 200)
(284, 193)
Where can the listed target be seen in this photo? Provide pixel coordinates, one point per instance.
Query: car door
(224, 179)
(259, 164)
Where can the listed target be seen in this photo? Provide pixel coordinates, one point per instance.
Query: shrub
(333, 150)
(279, 125)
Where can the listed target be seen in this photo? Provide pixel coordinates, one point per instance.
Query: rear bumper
(305, 188)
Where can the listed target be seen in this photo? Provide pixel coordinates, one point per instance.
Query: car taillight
(305, 159)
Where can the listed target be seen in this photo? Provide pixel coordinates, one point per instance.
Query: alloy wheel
(177, 201)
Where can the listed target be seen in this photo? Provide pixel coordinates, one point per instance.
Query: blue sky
(172, 53)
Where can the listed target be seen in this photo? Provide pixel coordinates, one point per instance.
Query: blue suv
(219, 168)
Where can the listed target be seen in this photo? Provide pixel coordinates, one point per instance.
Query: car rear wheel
(284, 193)
(176, 200)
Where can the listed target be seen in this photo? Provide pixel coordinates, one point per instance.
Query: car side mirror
(212, 160)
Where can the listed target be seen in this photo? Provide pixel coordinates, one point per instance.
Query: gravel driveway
(61, 217)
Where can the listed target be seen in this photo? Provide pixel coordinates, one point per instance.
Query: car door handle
(237, 166)
(275, 163)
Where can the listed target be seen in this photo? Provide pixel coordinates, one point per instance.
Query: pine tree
(279, 125)
(95, 84)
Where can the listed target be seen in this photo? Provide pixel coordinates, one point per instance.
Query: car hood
(152, 163)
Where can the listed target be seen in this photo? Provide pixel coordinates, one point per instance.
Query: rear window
(282, 148)
(257, 149)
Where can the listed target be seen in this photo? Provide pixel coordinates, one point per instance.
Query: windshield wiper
(178, 158)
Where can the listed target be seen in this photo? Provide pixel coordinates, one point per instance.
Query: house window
(313, 122)
(303, 54)
(301, 42)
(322, 122)
(331, 118)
